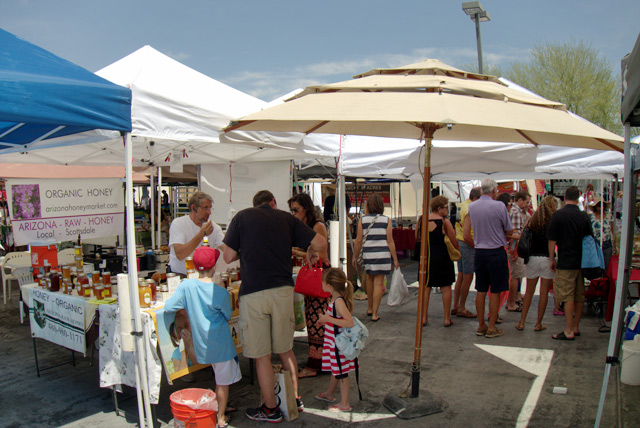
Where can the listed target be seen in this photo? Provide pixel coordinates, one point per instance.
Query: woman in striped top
(376, 241)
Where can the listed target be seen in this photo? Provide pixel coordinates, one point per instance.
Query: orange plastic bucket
(194, 408)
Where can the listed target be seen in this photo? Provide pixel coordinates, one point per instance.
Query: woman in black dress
(441, 273)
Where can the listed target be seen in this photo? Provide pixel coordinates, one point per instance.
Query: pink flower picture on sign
(26, 201)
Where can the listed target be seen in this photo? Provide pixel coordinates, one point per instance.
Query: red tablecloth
(612, 274)
(405, 239)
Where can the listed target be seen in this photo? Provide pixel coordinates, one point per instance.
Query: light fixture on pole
(477, 14)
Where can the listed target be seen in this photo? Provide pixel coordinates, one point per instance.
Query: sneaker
(300, 404)
(264, 414)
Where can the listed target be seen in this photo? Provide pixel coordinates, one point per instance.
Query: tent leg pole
(624, 268)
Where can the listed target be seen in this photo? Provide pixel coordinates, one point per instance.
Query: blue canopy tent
(43, 97)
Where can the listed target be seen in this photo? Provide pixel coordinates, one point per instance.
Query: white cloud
(270, 84)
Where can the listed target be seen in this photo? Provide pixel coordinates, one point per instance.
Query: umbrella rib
(608, 144)
(527, 137)
(321, 124)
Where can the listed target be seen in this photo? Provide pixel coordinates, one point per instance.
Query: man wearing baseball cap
(209, 308)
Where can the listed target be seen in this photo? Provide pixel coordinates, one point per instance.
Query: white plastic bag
(398, 290)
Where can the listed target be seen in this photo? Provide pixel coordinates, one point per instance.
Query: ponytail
(337, 280)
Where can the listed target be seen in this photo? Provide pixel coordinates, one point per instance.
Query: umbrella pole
(424, 265)
(411, 407)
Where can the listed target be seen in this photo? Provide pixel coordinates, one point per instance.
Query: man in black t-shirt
(567, 228)
(262, 238)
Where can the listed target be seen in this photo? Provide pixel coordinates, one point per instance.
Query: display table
(612, 274)
(65, 320)
(404, 239)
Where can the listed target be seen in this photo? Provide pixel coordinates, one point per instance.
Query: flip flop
(576, 334)
(375, 320)
(518, 309)
(540, 327)
(336, 409)
(562, 336)
(466, 314)
(520, 326)
(448, 325)
(454, 312)
(322, 397)
(302, 373)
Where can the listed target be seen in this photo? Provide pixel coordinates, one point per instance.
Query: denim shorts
(466, 263)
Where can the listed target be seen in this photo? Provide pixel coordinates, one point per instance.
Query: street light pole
(479, 42)
(477, 14)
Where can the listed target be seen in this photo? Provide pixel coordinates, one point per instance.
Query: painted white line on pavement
(534, 361)
(349, 416)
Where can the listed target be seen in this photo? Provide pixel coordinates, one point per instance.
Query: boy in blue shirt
(209, 308)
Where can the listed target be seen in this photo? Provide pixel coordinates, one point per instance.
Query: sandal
(323, 397)
(520, 326)
(454, 312)
(448, 325)
(466, 314)
(562, 336)
(305, 372)
(335, 408)
(540, 327)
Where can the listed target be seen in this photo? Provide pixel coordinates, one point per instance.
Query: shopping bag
(454, 254)
(285, 397)
(309, 281)
(592, 263)
(398, 290)
(298, 311)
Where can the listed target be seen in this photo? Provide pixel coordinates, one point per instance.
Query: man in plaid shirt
(519, 217)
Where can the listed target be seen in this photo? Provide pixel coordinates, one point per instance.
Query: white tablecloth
(116, 365)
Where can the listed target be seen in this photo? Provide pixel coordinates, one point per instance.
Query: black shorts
(492, 270)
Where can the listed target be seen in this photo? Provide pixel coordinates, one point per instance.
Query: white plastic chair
(11, 262)
(24, 276)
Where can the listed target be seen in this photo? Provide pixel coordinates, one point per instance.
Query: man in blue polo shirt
(491, 229)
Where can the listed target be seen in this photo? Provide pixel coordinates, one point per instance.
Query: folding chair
(596, 293)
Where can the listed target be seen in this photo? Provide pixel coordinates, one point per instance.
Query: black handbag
(524, 244)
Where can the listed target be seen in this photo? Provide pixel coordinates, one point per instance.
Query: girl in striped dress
(338, 316)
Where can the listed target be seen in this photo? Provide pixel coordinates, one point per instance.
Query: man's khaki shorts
(267, 322)
(518, 268)
(569, 285)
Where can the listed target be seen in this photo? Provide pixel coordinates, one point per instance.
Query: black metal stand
(38, 369)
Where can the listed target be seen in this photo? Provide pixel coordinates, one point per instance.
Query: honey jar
(144, 294)
(189, 263)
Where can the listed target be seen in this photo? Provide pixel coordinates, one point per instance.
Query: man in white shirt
(187, 232)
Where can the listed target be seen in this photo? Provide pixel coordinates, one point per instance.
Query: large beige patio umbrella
(429, 100)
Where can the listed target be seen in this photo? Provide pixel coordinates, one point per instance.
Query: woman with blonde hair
(441, 273)
(378, 250)
(538, 264)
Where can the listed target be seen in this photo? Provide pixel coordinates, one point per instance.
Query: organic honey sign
(62, 209)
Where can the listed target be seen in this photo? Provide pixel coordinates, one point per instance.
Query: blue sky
(269, 47)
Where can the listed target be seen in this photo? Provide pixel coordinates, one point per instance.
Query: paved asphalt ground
(501, 382)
